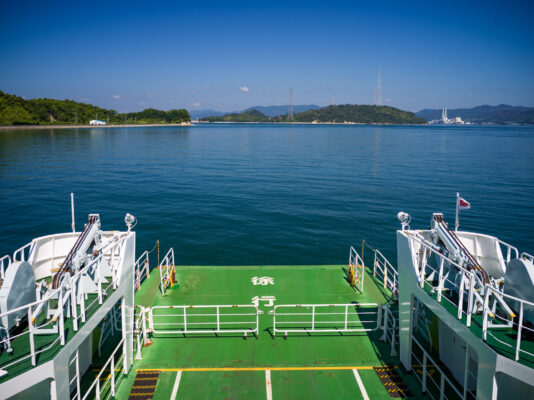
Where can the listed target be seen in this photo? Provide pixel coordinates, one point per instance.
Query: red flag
(463, 204)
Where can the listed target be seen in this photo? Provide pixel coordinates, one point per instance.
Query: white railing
(202, 319)
(114, 370)
(492, 319)
(140, 331)
(166, 271)
(357, 265)
(110, 325)
(307, 318)
(69, 302)
(527, 256)
(509, 250)
(141, 270)
(436, 390)
(5, 262)
(384, 271)
(23, 253)
(389, 328)
(482, 298)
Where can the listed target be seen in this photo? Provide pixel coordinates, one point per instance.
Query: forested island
(347, 113)
(15, 110)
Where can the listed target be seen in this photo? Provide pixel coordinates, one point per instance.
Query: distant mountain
(269, 111)
(274, 111)
(501, 114)
(343, 113)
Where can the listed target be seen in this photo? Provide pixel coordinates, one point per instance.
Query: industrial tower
(378, 94)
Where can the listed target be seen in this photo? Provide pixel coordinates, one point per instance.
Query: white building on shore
(97, 122)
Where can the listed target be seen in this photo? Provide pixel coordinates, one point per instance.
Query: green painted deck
(229, 367)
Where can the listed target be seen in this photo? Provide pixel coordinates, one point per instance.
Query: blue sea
(242, 194)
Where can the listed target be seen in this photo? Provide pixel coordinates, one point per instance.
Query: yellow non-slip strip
(222, 369)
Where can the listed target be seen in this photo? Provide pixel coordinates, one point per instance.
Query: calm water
(259, 194)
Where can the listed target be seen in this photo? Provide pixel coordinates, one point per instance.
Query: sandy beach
(19, 127)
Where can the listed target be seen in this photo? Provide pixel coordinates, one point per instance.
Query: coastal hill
(501, 114)
(365, 114)
(15, 110)
(270, 111)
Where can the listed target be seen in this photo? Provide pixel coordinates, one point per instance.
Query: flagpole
(457, 224)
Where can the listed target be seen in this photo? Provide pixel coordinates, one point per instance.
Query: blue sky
(231, 55)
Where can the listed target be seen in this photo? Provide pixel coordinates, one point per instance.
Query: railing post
(461, 295)
(393, 352)
(440, 284)
(257, 321)
(185, 320)
(78, 389)
(147, 267)
(485, 316)
(385, 325)
(97, 389)
(346, 315)
(519, 329)
(274, 320)
(442, 387)
(99, 284)
(61, 322)
(313, 318)
(423, 389)
(73, 304)
(374, 266)
(470, 299)
(113, 374)
(385, 276)
(218, 320)
(32, 343)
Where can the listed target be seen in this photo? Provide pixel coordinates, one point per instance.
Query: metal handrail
(141, 270)
(216, 323)
(2, 267)
(356, 262)
(389, 275)
(165, 270)
(22, 252)
(424, 376)
(111, 378)
(311, 323)
(527, 256)
(389, 328)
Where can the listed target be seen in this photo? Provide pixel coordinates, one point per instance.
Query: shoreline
(19, 127)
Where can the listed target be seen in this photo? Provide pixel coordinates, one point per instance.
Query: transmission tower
(378, 94)
(290, 114)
